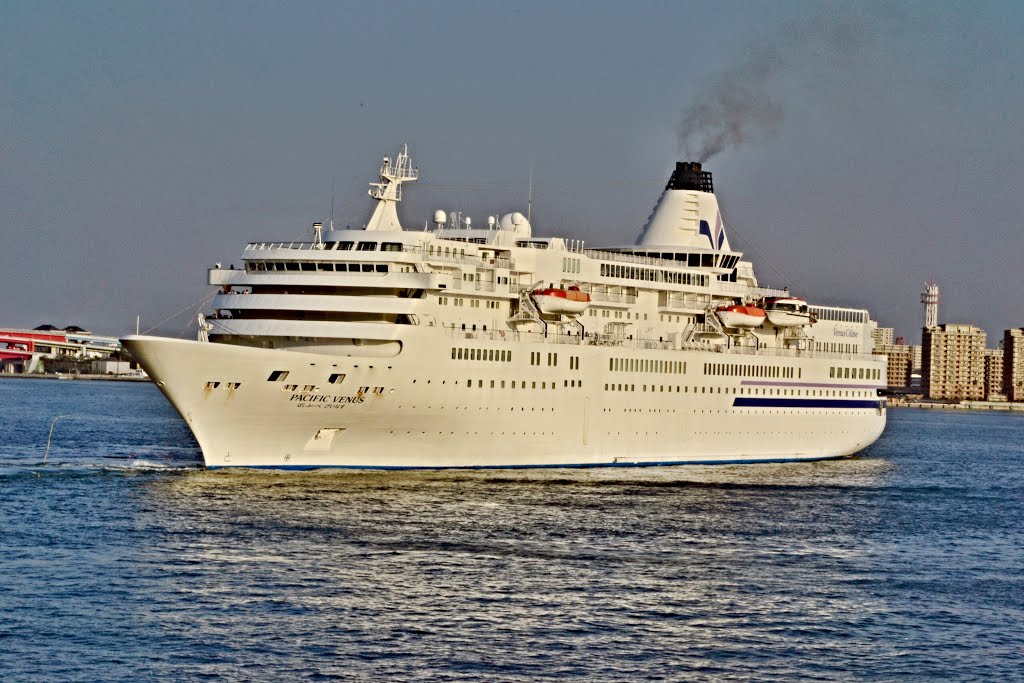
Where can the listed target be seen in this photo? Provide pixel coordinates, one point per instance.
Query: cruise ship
(457, 346)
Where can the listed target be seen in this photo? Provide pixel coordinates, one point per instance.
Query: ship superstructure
(492, 347)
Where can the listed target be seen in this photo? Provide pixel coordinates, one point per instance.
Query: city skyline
(858, 149)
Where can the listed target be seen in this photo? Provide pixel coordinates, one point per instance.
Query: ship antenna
(331, 222)
(529, 196)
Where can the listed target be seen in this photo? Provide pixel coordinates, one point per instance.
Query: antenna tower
(529, 196)
(930, 299)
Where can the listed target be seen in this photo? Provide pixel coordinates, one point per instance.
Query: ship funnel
(687, 213)
(689, 176)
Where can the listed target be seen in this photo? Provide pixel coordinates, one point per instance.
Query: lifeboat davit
(788, 311)
(561, 301)
(741, 316)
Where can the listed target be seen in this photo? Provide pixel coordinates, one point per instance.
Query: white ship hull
(416, 410)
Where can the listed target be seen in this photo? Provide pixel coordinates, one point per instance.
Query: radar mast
(388, 192)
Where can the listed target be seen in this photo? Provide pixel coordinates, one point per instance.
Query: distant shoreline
(998, 406)
(76, 377)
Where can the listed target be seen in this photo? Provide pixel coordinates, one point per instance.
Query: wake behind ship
(491, 347)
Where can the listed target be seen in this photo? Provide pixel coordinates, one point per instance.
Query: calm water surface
(121, 560)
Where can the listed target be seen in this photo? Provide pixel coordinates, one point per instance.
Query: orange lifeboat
(561, 301)
(741, 316)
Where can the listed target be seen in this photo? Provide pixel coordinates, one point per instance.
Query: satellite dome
(516, 222)
(440, 217)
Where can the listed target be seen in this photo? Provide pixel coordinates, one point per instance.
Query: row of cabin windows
(653, 275)
(324, 266)
(855, 373)
(536, 357)
(363, 246)
(470, 240)
(675, 367)
(570, 265)
(473, 303)
(734, 370)
(842, 315)
(432, 250)
(643, 387)
(499, 355)
(620, 293)
(512, 384)
(835, 347)
(702, 260)
(604, 313)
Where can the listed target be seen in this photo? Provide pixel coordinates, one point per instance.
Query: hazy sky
(868, 146)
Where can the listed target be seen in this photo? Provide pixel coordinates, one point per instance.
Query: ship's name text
(325, 401)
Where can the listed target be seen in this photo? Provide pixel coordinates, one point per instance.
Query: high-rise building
(1013, 364)
(916, 366)
(953, 362)
(882, 336)
(994, 375)
(899, 364)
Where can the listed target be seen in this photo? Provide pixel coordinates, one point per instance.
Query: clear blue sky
(142, 142)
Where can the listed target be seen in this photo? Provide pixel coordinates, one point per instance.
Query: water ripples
(123, 561)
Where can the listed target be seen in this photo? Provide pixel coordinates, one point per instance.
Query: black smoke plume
(741, 104)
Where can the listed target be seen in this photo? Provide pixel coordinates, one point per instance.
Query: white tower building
(930, 299)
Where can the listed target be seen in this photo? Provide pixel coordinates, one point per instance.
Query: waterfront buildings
(994, 375)
(882, 336)
(26, 351)
(1013, 364)
(953, 362)
(900, 364)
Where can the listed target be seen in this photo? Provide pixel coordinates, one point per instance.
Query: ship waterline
(384, 348)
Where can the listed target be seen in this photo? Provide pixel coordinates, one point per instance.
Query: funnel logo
(718, 237)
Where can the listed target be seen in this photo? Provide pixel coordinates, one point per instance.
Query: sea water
(121, 559)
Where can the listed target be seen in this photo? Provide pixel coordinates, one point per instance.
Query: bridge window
(367, 246)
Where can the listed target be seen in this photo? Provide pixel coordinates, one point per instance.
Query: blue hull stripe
(747, 402)
(664, 463)
(813, 385)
